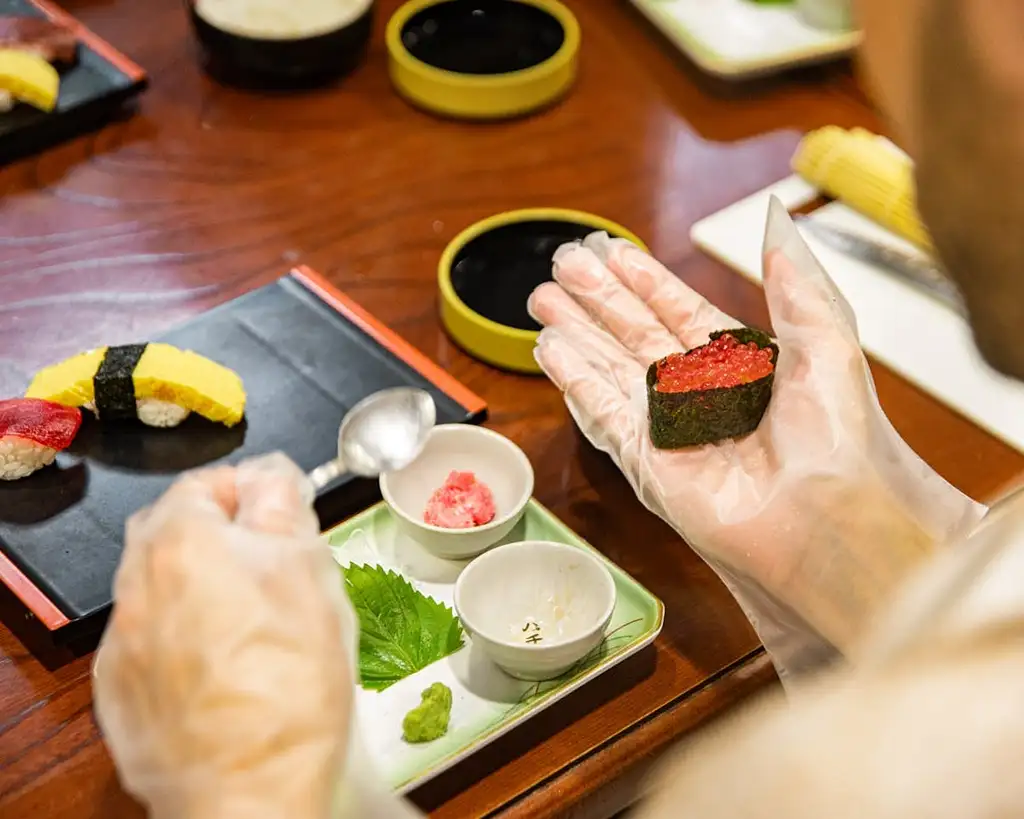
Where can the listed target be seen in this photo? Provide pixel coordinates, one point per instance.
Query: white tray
(738, 39)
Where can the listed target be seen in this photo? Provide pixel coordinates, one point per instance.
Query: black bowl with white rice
(282, 43)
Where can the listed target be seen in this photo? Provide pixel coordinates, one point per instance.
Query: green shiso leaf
(686, 419)
(401, 630)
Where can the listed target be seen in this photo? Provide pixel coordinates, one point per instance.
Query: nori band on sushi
(695, 417)
(113, 385)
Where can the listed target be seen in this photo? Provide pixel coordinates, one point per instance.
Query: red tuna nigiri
(32, 432)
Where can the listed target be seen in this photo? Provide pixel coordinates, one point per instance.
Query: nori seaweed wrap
(113, 384)
(717, 391)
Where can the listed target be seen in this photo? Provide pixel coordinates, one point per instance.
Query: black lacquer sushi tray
(93, 90)
(306, 353)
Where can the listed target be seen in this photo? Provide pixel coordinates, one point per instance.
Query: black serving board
(91, 92)
(306, 354)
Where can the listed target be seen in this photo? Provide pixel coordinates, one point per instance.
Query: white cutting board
(912, 333)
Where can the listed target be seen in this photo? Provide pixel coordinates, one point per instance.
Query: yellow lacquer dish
(447, 57)
(488, 271)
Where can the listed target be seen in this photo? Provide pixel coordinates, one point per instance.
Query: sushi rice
(20, 457)
(153, 412)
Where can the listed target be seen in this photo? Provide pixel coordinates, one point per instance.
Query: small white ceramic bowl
(495, 461)
(536, 608)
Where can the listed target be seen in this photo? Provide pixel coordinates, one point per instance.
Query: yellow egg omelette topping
(164, 373)
(29, 78)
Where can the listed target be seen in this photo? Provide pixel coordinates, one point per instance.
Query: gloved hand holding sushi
(813, 518)
(224, 681)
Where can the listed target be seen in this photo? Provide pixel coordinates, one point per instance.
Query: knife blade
(921, 273)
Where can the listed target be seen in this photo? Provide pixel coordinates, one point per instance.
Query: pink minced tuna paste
(461, 503)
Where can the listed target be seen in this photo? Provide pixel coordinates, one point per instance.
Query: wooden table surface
(208, 193)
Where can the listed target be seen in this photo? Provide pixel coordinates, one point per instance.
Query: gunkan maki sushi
(156, 383)
(710, 393)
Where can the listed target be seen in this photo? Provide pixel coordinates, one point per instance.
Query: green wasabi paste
(429, 720)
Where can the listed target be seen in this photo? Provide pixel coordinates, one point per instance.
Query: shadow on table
(56, 155)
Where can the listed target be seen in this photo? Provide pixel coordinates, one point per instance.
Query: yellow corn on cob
(29, 78)
(863, 172)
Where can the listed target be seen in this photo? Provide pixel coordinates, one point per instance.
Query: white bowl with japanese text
(536, 608)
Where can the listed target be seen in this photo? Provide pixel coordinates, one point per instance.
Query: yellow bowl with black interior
(487, 273)
(482, 60)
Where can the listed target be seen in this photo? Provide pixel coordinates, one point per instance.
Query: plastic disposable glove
(224, 683)
(812, 519)
(928, 724)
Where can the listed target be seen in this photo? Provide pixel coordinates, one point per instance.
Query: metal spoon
(383, 432)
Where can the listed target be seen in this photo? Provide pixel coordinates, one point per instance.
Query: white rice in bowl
(280, 19)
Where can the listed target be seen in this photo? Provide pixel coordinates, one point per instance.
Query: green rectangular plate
(486, 702)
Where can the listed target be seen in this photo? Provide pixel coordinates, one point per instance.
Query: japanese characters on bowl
(535, 607)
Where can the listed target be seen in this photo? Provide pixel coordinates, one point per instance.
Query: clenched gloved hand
(812, 519)
(224, 684)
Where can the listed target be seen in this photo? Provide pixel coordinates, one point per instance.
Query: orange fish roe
(724, 362)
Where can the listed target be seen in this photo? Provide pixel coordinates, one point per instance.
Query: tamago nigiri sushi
(32, 432)
(156, 383)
